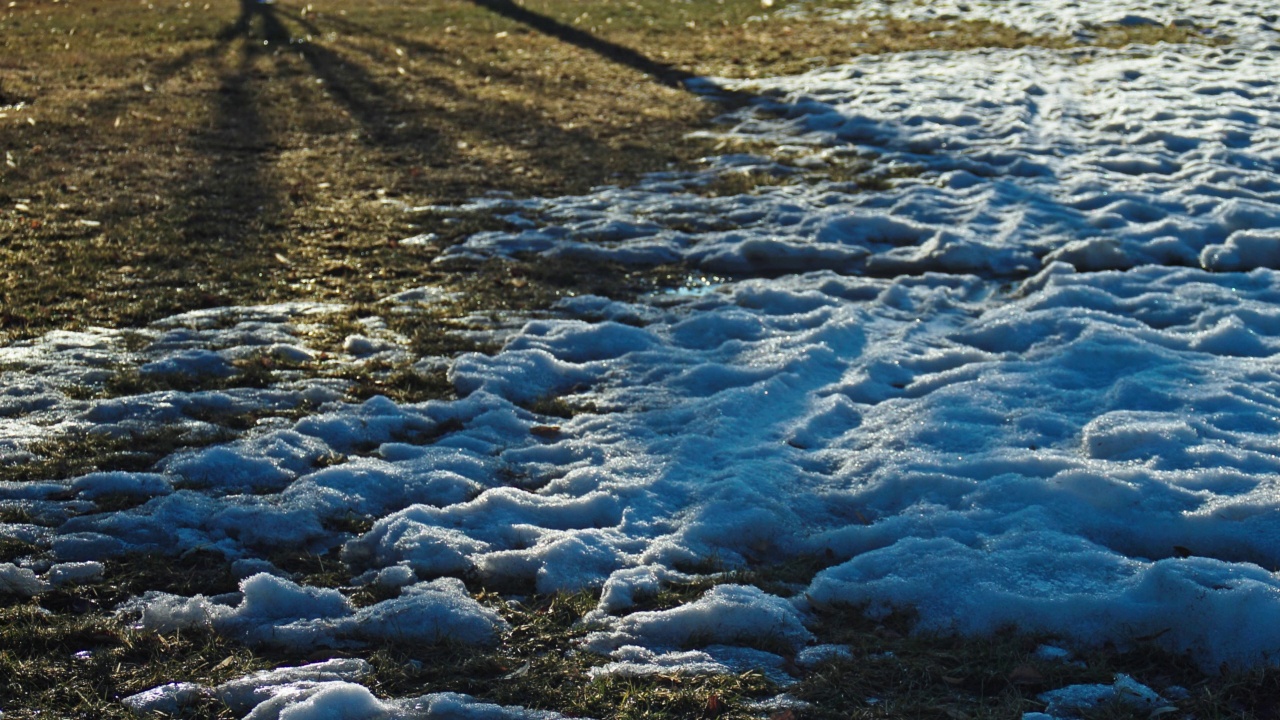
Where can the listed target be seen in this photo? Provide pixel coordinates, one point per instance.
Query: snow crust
(726, 615)
(1089, 157)
(1032, 381)
(635, 661)
(1125, 692)
(1080, 18)
(323, 691)
(276, 611)
(20, 581)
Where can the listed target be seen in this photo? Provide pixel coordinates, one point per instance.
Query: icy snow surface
(1033, 381)
(1078, 18)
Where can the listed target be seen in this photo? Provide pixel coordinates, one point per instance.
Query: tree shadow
(418, 132)
(217, 225)
(201, 221)
(244, 163)
(242, 210)
(236, 145)
(265, 12)
(662, 73)
(362, 29)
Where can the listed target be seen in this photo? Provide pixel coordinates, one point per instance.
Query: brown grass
(167, 155)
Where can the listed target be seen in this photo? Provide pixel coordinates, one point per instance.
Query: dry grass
(225, 168)
(167, 155)
(170, 155)
(66, 655)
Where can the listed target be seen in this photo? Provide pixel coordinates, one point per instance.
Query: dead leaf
(1152, 636)
(816, 603)
(545, 431)
(1025, 675)
(519, 672)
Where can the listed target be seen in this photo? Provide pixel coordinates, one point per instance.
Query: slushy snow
(1032, 382)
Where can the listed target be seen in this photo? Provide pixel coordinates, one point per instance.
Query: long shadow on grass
(273, 30)
(230, 213)
(236, 189)
(417, 131)
(367, 100)
(356, 28)
(198, 232)
(239, 137)
(205, 223)
(663, 73)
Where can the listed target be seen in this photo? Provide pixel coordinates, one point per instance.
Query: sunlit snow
(1035, 382)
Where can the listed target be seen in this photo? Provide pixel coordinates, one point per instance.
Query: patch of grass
(559, 407)
(352, 523)
(128, 381)
(70, 665)
(195, 572)
(863, 174)
(400, 382)
(72, 454)
(535, 283)
(19, 514)
(321, 569)
(665, 696)
(744, 182)
(872, 177)
(65, 654)
(782, 578)
(261, 369)
(12, 549)
(327, 332)
(193, 165)
(674, 595)
(1117, 36)
(67, 455)
(893, 673)
(116, 502)
(171, 156)
(538, 666)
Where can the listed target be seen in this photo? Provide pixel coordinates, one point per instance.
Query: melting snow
(1033, 382)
